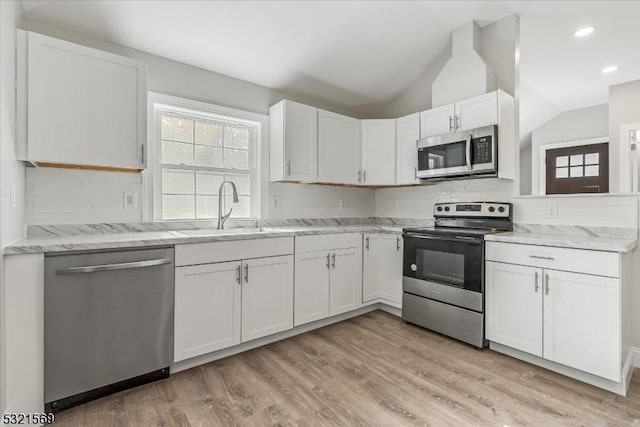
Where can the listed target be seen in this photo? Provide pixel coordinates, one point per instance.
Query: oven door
(449, 269)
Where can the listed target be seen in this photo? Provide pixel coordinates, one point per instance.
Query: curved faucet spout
(223, 218)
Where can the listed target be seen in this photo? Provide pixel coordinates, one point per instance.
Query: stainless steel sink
(215, 231)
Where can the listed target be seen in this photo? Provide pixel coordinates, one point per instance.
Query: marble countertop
(91, 242)
(565, 241)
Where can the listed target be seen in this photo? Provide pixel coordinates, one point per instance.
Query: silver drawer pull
(548, 258)
(113, 267)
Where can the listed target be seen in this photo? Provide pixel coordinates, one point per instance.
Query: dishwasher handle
(114, 267)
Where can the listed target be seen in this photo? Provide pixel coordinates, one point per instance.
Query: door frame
(626, 159)
(564, 144)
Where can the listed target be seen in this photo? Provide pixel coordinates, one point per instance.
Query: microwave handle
(468, 153)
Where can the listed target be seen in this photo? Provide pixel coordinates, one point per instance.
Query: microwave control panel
(482, 150)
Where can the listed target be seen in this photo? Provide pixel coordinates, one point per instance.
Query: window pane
(177, 129)
(208, 182)
(577, 160)
(207, 206)
(242, 182)
(236, 159)
(208, 133)
(236, 137)
(242, 209)
(562, 161)
(208, 156)
(177, 153)
(177, 207)
(592, 159)
(562, 172)
(593, 170)
(177, 182)
(576, 172)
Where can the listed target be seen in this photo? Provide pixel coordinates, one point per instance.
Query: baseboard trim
(635, 351)
(614, 387)
(201, 360)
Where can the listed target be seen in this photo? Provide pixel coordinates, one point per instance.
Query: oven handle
(458, 239)
(468, 153)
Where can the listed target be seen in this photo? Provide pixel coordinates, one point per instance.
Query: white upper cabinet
(477, 112)
(79, 106)
(293, 142)
(338, 148)
(437, 121)
(378, 151)
(407, 135)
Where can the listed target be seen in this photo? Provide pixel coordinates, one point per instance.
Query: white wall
(525, 169)
(174, 78)
(12, 173)
(624, 108)
(572, 125)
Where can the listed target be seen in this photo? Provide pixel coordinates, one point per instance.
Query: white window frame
(151, 178)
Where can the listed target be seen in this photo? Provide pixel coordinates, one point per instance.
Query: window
(195, 152)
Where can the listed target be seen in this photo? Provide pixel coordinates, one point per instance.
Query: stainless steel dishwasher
(108, 323)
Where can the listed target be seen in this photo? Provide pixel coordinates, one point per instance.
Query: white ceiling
(362, 53)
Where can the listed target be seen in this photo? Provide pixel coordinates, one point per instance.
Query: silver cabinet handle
(546, 284)
(415, 172)
(333, 260)
(246, 273)
(142, 154)
(468, 151)
(239, 274)
(457, 122)
(364, 176)
(536, 283)
(366, 240)
(360, 175)
(450, 123)
(548, 258)
(328, 258)
(398, 243)
(113, 267)
(289, 168)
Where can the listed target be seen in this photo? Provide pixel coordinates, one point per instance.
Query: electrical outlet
(129, 199)
(343, 203)
(275, 202)
(552, 211)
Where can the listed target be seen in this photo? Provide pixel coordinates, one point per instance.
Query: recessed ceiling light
(582, 32)
(610, 69)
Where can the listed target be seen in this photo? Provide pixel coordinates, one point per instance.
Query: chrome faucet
(223, 218)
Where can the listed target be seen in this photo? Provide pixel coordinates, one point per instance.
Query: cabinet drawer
(327, 242)
(565, 259)
(209, 252)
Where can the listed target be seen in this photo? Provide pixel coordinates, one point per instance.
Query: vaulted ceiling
(362, 53)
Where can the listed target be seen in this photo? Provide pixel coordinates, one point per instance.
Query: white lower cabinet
(582, 322)
(567, 317)
(328, 276)
(267, 296)
(514, 306)
(382, 272)
(207, 309)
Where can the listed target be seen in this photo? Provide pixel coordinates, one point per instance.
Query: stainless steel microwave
(471, 152)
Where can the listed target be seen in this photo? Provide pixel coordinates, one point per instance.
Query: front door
(579, 169)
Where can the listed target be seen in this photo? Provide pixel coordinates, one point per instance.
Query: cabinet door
(338, 148)
(514, 306)
(378, 152)
(345, 291)
(437, 121)
(311, 296)
(582, 322)
(477, 112)
(390, 268)
(207, 309)
(84, 106)
(267, 296)
(407, 134)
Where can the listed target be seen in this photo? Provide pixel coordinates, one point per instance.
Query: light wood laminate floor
(371, 370)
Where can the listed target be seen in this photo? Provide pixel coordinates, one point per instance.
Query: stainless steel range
(443, 271)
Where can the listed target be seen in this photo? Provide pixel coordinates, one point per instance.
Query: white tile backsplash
(69, 196)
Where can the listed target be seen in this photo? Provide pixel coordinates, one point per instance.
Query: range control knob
(492, 209)
(501, 209)
(439, 209)
(447, 208)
